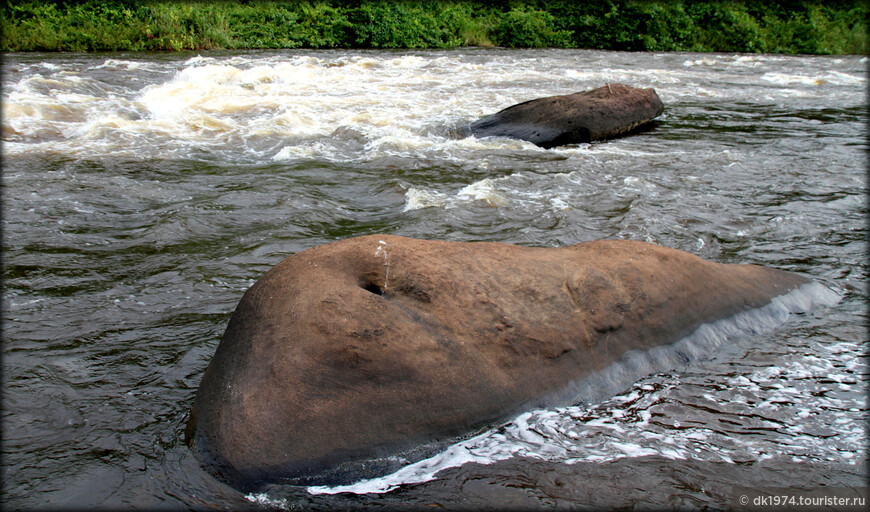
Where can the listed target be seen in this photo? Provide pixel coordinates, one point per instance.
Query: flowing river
(144, 193)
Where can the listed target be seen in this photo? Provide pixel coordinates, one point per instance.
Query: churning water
(144, 193)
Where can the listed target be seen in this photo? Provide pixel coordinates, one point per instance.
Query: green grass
(775, 26)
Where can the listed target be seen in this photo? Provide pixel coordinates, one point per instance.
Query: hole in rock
(373, 288)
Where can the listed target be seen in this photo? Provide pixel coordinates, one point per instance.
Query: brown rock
(365, 347)
(602, 113)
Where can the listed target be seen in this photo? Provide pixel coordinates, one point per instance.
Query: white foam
(416, 199)
(791, 79)
(489, 191)
(128, 65)
(242, 104)
(265, 500)
(840, 78)
(700, 62)
(484, 190)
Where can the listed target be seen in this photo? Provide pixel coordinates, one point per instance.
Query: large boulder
(360, 349)
(602, 113)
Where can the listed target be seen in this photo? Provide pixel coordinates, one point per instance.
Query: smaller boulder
(601, 113)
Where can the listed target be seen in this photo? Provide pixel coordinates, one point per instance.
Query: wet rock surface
(605, 112)
(360, 349)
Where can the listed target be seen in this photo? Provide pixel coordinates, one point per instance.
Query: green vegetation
(775, 26)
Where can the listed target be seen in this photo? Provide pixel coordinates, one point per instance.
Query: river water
(144, 193)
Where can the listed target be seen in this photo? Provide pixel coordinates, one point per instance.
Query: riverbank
(807, 27)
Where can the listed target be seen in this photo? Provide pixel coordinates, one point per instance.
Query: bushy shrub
(321, 25)
(726, 27)
(405, 25)
(521, 27)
